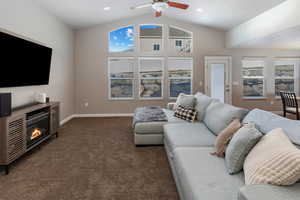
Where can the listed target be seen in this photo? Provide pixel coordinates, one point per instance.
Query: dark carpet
(93, 158)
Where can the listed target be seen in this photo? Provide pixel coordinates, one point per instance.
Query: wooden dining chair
(290, 104)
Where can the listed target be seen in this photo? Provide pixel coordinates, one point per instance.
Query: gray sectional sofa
(201, 176)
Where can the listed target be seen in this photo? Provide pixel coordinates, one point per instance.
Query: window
(121, 40)
(180, 72)
(253, 78)
(178, 43)
(121, 77)
(149, 35)
(286, 76)
(180, 40)
(151, 78)
(156, 47)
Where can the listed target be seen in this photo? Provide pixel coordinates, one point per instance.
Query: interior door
(218, 78)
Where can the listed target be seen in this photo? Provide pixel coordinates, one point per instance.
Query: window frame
(264, 77)
(134, 40)
(162, 46)
(140, 78)
(286, 61)
(176, 47)
(183, 78)
(132, 79)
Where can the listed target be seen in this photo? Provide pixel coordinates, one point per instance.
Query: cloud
(129, 33)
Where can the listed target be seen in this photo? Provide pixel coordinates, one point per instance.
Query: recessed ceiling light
(200, 10)
(106, 8)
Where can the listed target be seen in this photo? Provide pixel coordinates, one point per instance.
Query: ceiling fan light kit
(161, 5)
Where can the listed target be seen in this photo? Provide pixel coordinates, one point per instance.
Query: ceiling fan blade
(178, 5)
(157, 14)
(141, 6)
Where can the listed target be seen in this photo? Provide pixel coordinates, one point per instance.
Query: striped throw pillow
(274, 160)
(188, 114)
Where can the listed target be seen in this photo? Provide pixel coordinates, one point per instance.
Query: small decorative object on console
(188, 114)
(41, 98)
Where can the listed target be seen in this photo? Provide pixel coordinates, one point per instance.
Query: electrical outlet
(86, 104)
(201, 84)
(272, 102)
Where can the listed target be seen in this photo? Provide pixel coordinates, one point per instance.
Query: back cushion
(219, 115)
(202, 102)
(267, 121)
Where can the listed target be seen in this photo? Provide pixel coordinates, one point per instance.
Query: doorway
(218, 78)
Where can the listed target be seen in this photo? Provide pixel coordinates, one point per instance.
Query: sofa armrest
(171, 106)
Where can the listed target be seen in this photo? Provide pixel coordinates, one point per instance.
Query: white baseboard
(105, 115)
(67, 119)
(95, 115)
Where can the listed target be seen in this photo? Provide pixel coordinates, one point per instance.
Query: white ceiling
(221, 14)
(287, 39)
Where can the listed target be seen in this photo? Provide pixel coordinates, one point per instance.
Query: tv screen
(23, 63)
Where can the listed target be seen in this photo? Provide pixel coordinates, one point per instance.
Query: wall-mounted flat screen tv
(22, 62)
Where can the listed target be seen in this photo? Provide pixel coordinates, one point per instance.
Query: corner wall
(26, 19)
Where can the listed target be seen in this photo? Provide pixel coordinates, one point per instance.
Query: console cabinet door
(16, 137)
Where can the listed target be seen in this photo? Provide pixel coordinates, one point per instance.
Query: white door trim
(222, 59)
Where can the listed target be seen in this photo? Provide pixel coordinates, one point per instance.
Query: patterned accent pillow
(188, 114)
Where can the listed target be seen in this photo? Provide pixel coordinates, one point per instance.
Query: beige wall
(91, 65)
(27, 20)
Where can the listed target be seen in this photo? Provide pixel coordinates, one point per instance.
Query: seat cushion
(267, 121)
(203, 176)
(219, 115)
(188, 135)
(266, 192)
(202, 102)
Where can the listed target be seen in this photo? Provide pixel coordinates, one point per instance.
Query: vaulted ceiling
(221, 14)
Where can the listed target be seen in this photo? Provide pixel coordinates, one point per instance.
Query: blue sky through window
(150, 26)
(122, 40)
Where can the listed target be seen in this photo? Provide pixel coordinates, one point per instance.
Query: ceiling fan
(161, 5)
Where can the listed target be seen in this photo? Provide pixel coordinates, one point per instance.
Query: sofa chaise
(201, 176)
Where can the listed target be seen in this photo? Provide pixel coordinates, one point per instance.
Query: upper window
(151, 78)
(253, 78)
(285, 76)
(121, 40)
(151, 38)
(180, 40)
(121, 78)
(180, 76)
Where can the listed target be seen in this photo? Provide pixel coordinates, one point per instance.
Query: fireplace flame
(35, 133)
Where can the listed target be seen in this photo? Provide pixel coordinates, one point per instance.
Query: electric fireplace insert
(37, 127)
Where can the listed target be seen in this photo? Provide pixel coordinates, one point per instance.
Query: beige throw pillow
(274, 160)
(225, 136)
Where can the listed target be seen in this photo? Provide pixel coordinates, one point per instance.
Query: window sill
(255, 98)
(151, 99)
(121, 99)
